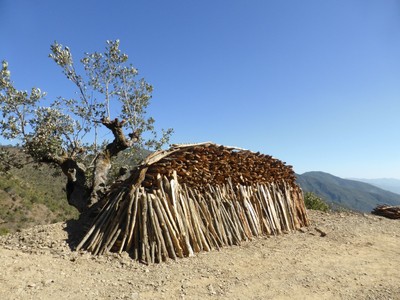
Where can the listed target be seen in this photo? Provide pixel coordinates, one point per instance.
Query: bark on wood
(102, 164)
(391, 212)
(197, 198)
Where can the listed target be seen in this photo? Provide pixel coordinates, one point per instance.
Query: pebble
(47, 282)
(51, 241)
(211, 289)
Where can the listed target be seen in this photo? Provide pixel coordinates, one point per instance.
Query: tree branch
(120, 142)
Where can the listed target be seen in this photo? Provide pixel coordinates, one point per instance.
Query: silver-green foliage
(60, 127)
(110, 96)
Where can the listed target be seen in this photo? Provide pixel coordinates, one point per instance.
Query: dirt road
(340, 256)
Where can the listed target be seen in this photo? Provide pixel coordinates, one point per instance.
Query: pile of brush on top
(194, 198)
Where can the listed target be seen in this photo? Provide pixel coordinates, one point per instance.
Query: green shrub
(314, 202)
(4, 231)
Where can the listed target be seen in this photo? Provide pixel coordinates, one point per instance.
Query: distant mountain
(351, 194)
(389, 184)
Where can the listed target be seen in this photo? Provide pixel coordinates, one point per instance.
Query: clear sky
(313, 83)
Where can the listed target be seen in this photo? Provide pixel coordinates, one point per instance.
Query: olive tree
(65, 132)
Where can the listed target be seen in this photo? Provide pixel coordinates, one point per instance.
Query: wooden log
(275, 222)
(113, 240)
(166, 202)
(216, 217)
(113, 229)
(169, 246)
(391, 212)
(281, 208)
(238, 224)
(151, 231)
(131, 199)
(257, 205)
(173, 233)
(197, 223)
(106, 230)
(182, 225)
(289, 205)
(231, 229)
(94, 231)
(223, 215)
(145, 247)
(135, 194)
(212, 234)
(266, 219)
(248, 211)
(242, 216)
(162, 252)
(136, 245)
(96, 243)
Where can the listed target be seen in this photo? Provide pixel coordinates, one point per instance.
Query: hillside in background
(32, 196)
(388, 184)
(349, 194)
(29, 197)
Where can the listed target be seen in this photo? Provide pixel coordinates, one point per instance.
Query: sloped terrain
(388, 184)
(30, 197)
(340, 256)
(349, 194)
(36, 194)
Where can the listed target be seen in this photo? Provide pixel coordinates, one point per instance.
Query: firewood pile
(391, 212)
(194, 198)
(201, 165)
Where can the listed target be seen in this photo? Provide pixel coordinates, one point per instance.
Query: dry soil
(340, 256)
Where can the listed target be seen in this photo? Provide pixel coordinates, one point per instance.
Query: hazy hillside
(350, 194)
(389, 184)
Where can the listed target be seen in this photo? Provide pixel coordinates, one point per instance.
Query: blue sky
(313, 83)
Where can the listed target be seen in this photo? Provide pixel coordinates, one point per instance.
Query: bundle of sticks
(194, 198)
(391, 212)
(208, 163)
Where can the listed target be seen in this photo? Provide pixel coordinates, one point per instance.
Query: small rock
(135, 295)
(321, 232)
(303, 230)
(47, 282)
(211, 289)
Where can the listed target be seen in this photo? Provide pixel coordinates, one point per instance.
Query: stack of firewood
(391, 212)
(203, 164)
(195, 198)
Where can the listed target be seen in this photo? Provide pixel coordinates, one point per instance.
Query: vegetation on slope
(36, 195)
(31, 196)
(348, 194)
(314, 202)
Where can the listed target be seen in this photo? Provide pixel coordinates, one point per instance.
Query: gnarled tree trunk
(77, 191)
(79, 194)
(103, 160)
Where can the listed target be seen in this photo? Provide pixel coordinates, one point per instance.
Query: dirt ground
(340, 256)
